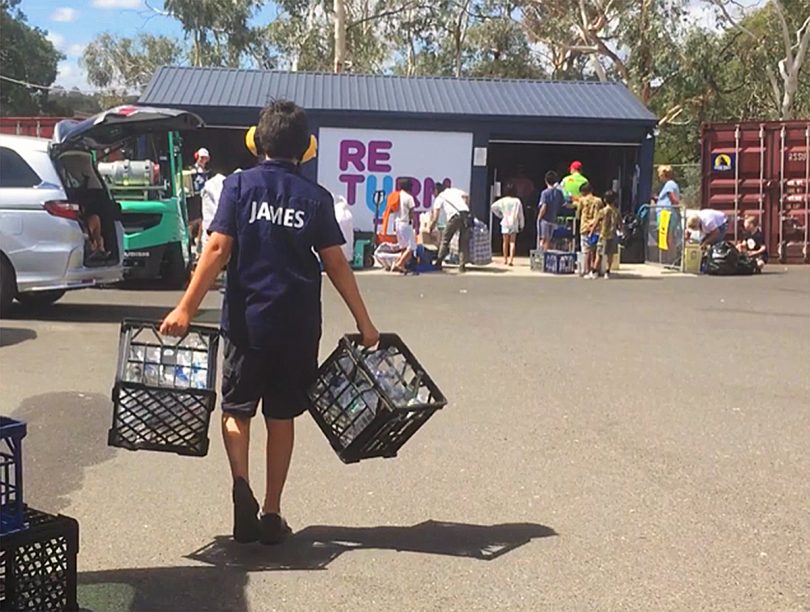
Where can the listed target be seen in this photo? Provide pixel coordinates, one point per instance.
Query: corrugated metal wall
(763, 170)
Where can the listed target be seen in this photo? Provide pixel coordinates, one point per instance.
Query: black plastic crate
(369, 403)
(12, 517)
(38, 565)
(164, 389)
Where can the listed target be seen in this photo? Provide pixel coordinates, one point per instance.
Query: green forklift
(139, 154)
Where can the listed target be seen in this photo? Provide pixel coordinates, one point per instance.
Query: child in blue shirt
(269, 223)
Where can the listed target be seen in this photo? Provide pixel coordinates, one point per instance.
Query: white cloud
(117, 4)
(61, 43)
(70, 75)
(75, 50)
(64, 14)
(57, 40)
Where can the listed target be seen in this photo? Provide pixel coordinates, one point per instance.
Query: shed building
(475, 133)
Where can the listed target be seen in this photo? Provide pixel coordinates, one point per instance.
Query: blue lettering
(371, 187)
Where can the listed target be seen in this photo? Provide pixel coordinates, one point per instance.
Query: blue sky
(71, 24)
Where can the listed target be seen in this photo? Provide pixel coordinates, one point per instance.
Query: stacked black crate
(38, 551)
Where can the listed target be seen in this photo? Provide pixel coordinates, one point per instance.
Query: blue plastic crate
(559, 262)
(12, 515)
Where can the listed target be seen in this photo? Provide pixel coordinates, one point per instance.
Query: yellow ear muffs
(312, 150)
(309, 154)
(250, 140)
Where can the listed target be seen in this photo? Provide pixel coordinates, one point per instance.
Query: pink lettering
(352, 152)
(351, 181)
(378, 155)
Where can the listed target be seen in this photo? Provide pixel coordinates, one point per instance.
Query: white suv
(44, 245)
(50, 190)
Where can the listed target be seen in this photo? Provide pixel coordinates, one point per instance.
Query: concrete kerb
(521, 269)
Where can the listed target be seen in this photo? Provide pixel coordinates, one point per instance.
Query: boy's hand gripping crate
(38, 564)
(12, 509)
(369, 403)
(164, 389)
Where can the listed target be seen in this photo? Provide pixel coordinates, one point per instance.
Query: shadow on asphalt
(99, 313)
(222, 587)
(315, 547)
(67, 432)
(9, 336)
(202, 589)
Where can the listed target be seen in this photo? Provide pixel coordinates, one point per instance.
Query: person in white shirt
(406, 236)
(510, 211)
(210, 200)
(455, 204)
(712, 225)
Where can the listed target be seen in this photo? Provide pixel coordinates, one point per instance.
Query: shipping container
(41, 127)
(761, 169)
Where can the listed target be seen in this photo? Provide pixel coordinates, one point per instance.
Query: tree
(787, 51)
(25, 56)
(126, 64)
(220, 30)
(631, 40)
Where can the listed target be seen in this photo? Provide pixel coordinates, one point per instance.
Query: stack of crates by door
(164, 389)
(38, 551)
(369, 403)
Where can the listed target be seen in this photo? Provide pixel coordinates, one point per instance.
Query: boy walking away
(605, 224)
(269, 221)
(753, 242)
(510, 210)
(589, 206)
(455, 205)
(551, 201)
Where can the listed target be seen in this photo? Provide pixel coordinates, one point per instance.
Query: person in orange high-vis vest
(388, 232)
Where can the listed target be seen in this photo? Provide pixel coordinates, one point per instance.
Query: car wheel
(8, 287)
(175, 270)
(39, 299)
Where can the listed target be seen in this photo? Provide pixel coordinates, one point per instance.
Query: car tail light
(62, 208)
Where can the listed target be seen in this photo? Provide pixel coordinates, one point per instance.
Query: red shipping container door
(41, 127)
(763, 170)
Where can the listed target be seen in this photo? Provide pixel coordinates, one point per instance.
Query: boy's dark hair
(585, 188)
(405, 184)
(510, 190)
(609, 197)
(438, 187)
(282, 131)
(551, 178)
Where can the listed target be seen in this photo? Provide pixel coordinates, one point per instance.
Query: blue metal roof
(491, 98)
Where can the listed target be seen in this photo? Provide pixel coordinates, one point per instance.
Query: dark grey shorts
(279, 379)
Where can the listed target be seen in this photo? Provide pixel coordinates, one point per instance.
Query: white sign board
(358, 164)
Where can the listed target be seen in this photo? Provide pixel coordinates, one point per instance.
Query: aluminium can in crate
(164, 390)
(369, 404)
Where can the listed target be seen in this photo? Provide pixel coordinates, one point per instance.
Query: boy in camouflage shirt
(605, 225)
(589, 206)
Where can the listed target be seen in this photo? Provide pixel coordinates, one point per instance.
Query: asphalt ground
(641, 443)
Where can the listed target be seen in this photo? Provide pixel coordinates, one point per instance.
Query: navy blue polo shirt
(276, 218)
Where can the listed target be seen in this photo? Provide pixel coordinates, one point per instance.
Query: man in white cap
(200, 170)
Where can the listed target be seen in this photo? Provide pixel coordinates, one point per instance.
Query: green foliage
(219, 30)
(127, 63)
(25, 55)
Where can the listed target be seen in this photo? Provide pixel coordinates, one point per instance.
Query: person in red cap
(572, 183)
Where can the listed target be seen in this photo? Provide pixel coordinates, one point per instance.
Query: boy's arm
(214, 257)
(338, 271)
